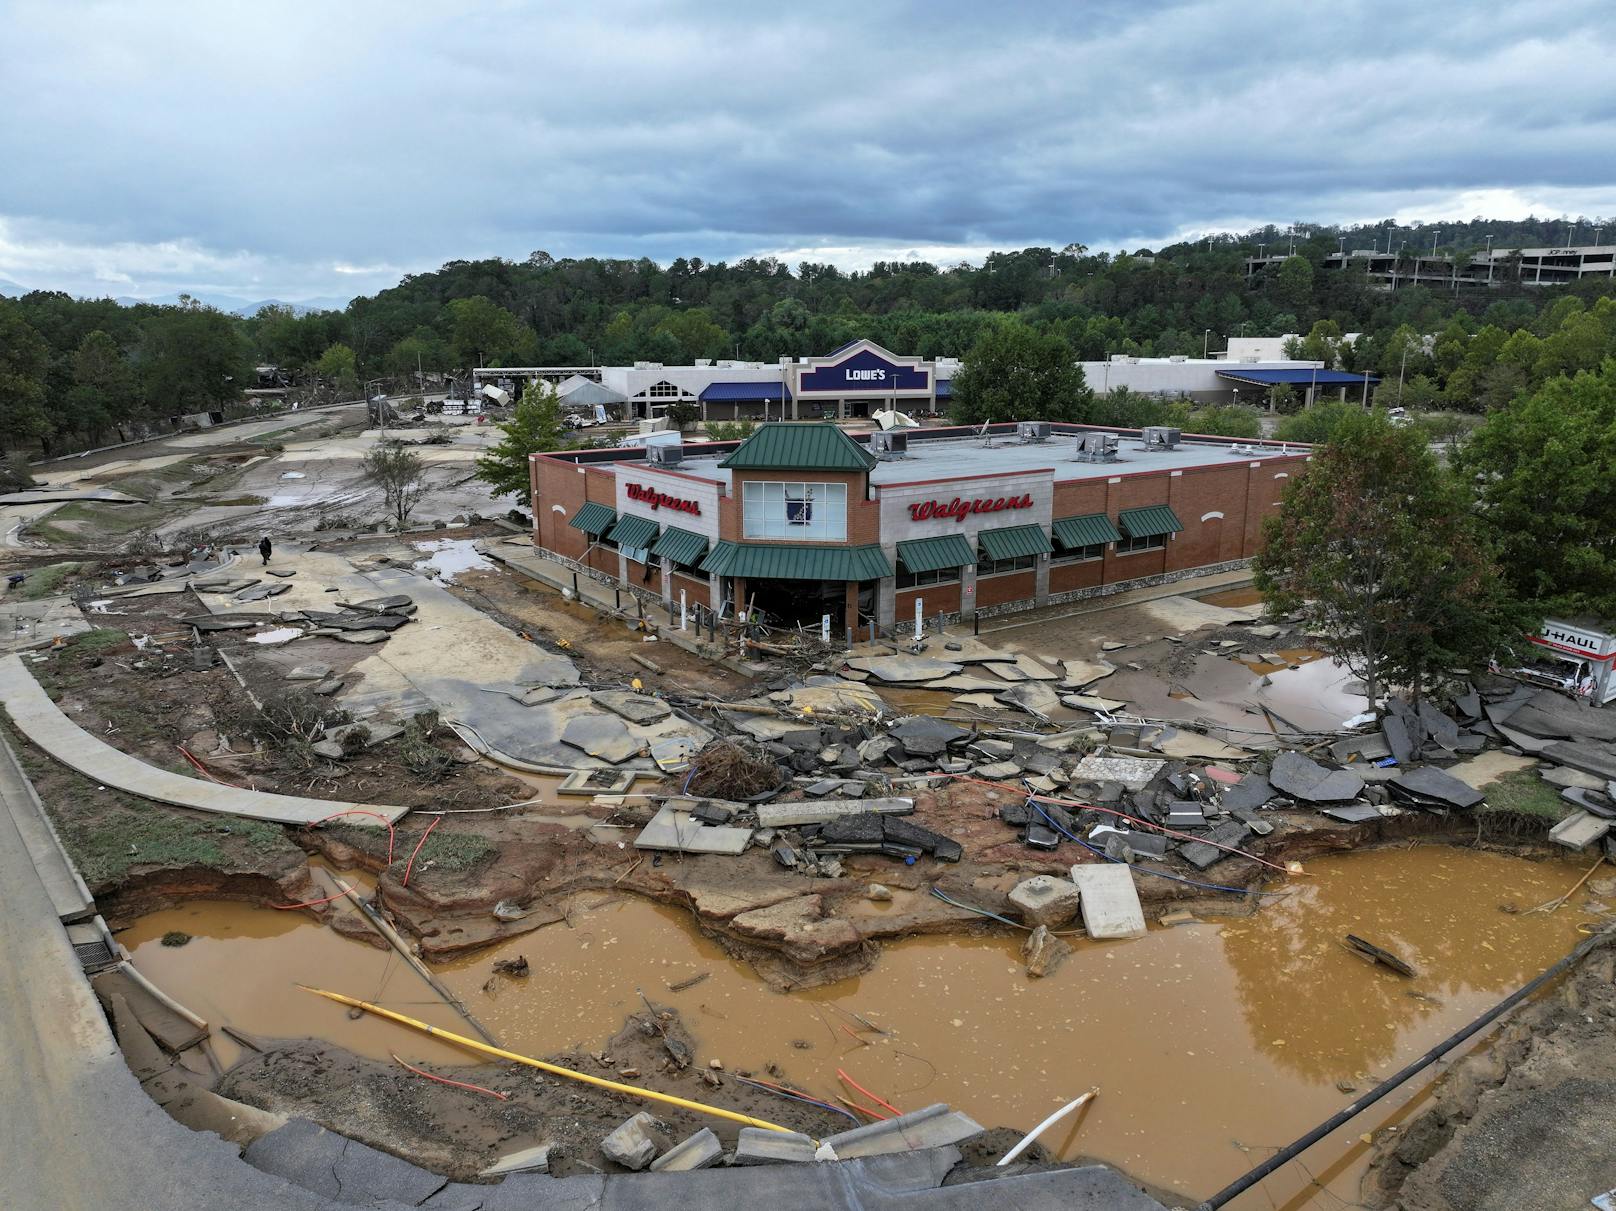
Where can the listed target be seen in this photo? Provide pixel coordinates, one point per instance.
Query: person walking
(264, 549)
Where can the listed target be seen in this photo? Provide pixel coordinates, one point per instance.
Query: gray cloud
(280, 148)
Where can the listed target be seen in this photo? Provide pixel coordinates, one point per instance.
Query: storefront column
(740, 596)
(1040, 580)
(850, 613)
(667, 578)
(968, 592)
(886, 600)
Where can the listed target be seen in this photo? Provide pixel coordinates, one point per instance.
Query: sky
(299, 150)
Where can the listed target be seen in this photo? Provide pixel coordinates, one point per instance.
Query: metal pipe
(162, 997)
(1286, 1155)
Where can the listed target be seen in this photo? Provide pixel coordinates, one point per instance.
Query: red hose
(443, 1080)
(437, 820)
(360, 811)
(310, 903)
(204, 770)
(867, 1093)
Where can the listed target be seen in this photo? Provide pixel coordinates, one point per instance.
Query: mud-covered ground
(1524, 1122)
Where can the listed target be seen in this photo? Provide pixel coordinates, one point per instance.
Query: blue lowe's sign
(864, 372)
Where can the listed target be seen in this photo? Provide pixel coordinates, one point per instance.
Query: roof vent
(1033, 430)
(665, 454)
(890, 444)
(1160, 437)
(1097, 448)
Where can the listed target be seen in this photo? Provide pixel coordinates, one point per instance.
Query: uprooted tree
(401, 476)
(1379, 549)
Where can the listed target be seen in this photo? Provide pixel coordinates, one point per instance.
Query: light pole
(1400, 367)
(1489, 260)
(1206, 343)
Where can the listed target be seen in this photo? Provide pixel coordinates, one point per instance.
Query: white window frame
(766, 510)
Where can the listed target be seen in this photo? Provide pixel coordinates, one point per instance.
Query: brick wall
(997, 590)
(938, 599)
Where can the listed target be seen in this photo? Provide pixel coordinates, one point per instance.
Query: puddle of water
(1231, 599)
(1206, 1039)
(292, 475)
(1287, 658)
(451, 556)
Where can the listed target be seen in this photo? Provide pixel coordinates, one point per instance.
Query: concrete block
(759, 1147)
(1110, 903)
(934, 1127)
(1044, 952)
(697, 1152)
(1043, 900)
(527, 1160)
(632, 1145)
(1579, 830)
(681, 832)
(787, 815)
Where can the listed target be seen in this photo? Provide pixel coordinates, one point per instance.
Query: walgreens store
(802, 519)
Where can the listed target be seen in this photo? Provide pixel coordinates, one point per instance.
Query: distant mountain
(237, 305)
(10, 289)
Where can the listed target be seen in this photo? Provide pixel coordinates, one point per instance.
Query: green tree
(1545, 464)
(1379, 549)
(24, 357)
(535, 426)
(1294, 283)
(482, 333)
(103, 391)
(192, 359)
(1014, 373)
(401, 476)
(339, 370)
(1316, 425)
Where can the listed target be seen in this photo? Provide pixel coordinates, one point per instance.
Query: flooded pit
(1233, 599)
(1211, 1041)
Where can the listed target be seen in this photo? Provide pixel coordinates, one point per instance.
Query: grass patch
(45, 581)
(1523, 792)
(109, 843)
(91, 643)
(71, 524)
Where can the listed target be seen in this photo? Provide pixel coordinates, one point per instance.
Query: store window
(807, 511)
(691, 570)
(1131, 546)
(663, 390)
(997, 567)
(1086, 554)
(919, 580)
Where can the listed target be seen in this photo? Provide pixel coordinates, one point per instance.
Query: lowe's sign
(865, 372)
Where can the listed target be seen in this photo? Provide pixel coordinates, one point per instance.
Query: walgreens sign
(959, 508)
(661, 500)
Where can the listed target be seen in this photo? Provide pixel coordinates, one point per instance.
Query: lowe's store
(803, 520)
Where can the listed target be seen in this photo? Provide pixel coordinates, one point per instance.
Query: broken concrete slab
(1083, 673)
(756, 1146)
(309, 672)
(1135, 773)
(602, 736)
(1205, 852)
(1579, 830)
(1252, 792)
(1044, 900)
(786, 815)
(1092, 702)
(632, 1145)
(682, 833)
(1428, 785)
(830, 696)
(1352, 813)
(229, 622)
(792, 732)
(1302, 778)
(1561, 775)
(1590, 757)
(904, 670)
(915, 727)
(1030, 669)
(636, 708)
(1034, 697)
(1109, 900)
(1371, 746)
(361, 637)
(937, 1126)
(966, 682)
(263, 591)
(1441, 729)
(1007, 671)
(696, 1152)
(1593, 801)
(527, 1160)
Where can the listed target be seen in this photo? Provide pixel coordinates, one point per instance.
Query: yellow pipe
(553, 1069)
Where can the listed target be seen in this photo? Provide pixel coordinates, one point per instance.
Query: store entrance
(794, 603)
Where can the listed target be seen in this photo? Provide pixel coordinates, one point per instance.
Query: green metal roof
(1089, 530)
(931, 554)
(791, 446)
(635, 533)
(681, 546)
(593, 518)
(1149, 521)
(1012, 542)
(795, 561)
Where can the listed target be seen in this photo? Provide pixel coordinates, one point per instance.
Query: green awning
(1090, 530)
(799, 446)
(593, 519)
(796, 561)
(634, 533)
(681, 546)
(1012, 542)
(1149, 521)
(934, 554)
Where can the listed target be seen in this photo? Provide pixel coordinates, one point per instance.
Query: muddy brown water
(1212, 1042)
(1232, 599)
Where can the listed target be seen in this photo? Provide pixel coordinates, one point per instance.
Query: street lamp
(1206, 343)
(1489, 260)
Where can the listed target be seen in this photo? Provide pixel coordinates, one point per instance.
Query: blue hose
(806, 1100)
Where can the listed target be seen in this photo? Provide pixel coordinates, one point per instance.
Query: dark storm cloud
(321, 149)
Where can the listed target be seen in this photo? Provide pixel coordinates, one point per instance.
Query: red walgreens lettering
(661, 500)
(959, 509)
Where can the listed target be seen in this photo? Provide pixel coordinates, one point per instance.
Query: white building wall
(1171, 377)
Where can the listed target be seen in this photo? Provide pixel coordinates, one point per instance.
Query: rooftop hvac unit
(1033, 430)
(1160, 437)
(1097, 448)
(893, 443)
(665, 454)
